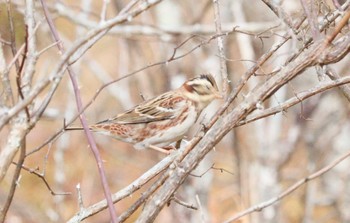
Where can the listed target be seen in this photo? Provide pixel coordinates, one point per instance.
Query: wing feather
(156, 109)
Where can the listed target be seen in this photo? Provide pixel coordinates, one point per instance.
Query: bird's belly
(169, 134)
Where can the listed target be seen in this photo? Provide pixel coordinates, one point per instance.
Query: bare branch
(180, 202)
(82, 118)
(81, 45)
(275, 54)
(301, 96)
(289, 190)
(42, 177)
(222, 126)
(220, 41)
(127, 191)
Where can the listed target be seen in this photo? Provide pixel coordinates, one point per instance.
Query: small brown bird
(157, 122)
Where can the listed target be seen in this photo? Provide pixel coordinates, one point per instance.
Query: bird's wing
(157, 109)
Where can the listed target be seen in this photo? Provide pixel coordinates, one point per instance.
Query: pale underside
(157, 122)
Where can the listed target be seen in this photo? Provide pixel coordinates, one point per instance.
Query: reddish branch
(82, 118)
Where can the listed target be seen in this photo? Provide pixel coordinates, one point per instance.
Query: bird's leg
(159, 149)
(178, 144)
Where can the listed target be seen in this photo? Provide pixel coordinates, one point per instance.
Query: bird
(160, 121)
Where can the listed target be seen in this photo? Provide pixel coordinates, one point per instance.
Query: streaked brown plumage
(157, 122)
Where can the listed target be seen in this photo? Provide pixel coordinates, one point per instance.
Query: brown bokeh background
(253, 163)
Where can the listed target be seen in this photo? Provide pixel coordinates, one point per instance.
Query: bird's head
(202, 90)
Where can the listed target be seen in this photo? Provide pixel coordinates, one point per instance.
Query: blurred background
(252, 164)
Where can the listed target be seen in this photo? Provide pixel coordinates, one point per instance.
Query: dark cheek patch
(189, 88)
(192, 88)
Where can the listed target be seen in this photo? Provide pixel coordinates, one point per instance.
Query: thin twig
(143, 198)
(12, 32)
(182, 203)
(42, 177)
(15, 182)
(82, 118)
(128, 7)
(335, 77)
(19, 127)
(151, 30)
(311, 15)
(220, 41)
(104, 10)
(301, 96)
(46, 48)
(289, 190)
(128, 190)
(19, 74)
(200, 208)
(81, 45)
(212, 167)
(280, 13)
(80, 198)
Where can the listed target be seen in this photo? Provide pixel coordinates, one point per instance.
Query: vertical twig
(82, 118)
(15, 181)
(273, 5)
(12, 32)
(311, 15)
(80, 198)
(19, 72)
(7, 98)
(129, 6)
(20, 128)
(104, 10)
(336, 4)
(14, 51)
(220, 41)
